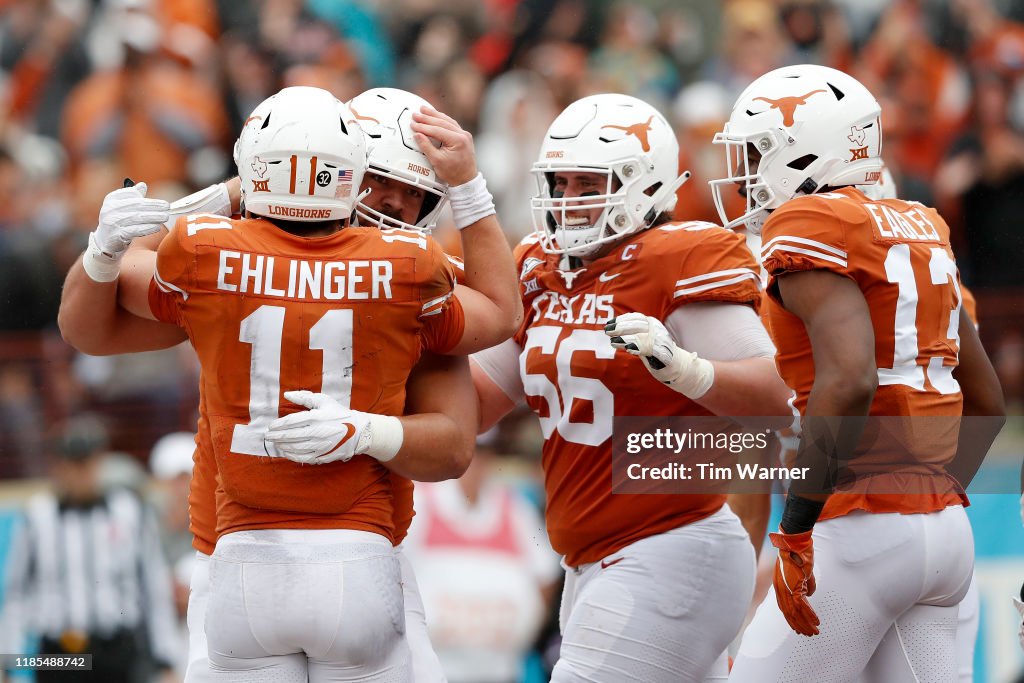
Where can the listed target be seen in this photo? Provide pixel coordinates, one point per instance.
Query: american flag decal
(345, 175)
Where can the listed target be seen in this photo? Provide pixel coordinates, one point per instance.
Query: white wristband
(470, 202)
(213, 199)
(382, 438)
(99, 266)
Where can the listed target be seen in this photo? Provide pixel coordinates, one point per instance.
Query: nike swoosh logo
(351, 430)
(605, 277)
(605, 565)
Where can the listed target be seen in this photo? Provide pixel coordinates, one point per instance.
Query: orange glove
(794, 580)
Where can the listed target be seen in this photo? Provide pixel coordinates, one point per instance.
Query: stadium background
(92, 91)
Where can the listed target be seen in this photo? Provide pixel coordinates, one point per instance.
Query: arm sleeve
(718, 267)
(174, 277)
(718, 331)
(805, 234)
(501, 364)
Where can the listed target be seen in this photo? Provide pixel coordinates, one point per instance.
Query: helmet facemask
(745, 156)
(625, 207)
(435, 196)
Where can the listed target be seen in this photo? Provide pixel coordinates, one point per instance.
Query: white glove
(328, 431)
(644, 336)
(1020, 618)
(125, 215)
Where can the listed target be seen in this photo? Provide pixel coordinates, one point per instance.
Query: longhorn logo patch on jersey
(570, 276)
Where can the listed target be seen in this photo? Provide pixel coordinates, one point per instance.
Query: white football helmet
(300, 157)
(812, 126)
(384, 115)
(629, 142)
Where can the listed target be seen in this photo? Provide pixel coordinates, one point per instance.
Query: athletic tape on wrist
(695, 379)
(386, 437)
(99, 266)
(470, 202)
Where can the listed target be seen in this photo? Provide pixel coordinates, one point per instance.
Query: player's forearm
(492, 403)
(91, 320)
(487, 325)
(434, 448)
(749, 387)
(984, 408)
(490, 270)
(753, 509)
(137, 270)
(831, 428)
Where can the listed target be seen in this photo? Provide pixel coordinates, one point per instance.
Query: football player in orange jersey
(656, 585)
(428, 382)
(970, 607)
(866, 313)
(328, 281)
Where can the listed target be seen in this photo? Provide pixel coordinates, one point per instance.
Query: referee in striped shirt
(87, 575)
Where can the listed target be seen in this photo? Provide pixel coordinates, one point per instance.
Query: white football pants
(662, 609)
(426, 668)
(967, 632)
(291, 605)
(888, 587)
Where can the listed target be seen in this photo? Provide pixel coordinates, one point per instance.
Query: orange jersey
(575, 381)
(202, 497)
(269, 312)
(898, 253)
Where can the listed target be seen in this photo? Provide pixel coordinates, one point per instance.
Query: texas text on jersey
(567, 366)
(275, 312)
(898, 253)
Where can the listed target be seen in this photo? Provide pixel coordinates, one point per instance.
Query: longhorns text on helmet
(809, 127)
